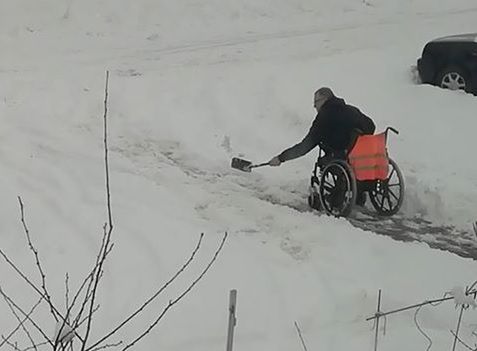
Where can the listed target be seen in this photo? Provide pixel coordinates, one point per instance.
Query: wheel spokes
(389, 202)
(382, 201)
(394, 195)
(391, 174)
(453, 81)
(328, 186)
(336, 190)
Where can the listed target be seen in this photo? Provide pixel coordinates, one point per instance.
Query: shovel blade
(242, 165)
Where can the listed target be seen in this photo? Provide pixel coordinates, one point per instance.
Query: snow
(193, 84)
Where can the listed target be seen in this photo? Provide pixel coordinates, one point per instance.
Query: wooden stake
(378, 314)
(232, 319)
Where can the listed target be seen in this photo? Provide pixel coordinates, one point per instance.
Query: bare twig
(420, 329)
(429, 302)
(90, 279)
(72, 329)
(12, 345)
(69, 307)
(29, 282)
(86, 317)
(33, 286)
(15, 346)
(110, 217)
(474, 225)
(25, 330)
(21, 274)
(106, 151)
(37, 259)
(20, 325)
(178, 298)
(462, 342)
(67, 295)
(76, 323)
(36, 346)
(301, 337)
(458, 327)
(26, 315)
(153, 297)
(108, 346)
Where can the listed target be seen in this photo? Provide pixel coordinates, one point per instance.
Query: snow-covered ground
(193, 84)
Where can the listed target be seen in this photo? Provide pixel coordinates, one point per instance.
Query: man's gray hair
(321, 96)
(323, 93)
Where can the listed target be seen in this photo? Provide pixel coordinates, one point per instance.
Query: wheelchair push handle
(395, 131)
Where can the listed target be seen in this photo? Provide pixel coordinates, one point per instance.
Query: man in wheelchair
(334, 129)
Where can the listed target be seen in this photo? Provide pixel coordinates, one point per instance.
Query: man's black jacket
(332, 129)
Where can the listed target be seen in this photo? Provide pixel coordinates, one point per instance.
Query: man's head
(321, 96)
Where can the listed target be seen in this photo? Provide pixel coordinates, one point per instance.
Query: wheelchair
(337, 181)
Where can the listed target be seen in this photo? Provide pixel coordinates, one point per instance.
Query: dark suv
(450, 62)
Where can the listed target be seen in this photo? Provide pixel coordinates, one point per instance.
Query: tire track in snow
(128, 57)
(219, 43)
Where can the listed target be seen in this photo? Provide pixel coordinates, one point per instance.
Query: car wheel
(453, 78)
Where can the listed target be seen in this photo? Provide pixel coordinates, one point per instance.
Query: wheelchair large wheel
(337, 189)
(387, 195)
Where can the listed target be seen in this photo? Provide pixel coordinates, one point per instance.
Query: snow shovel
(244, 165)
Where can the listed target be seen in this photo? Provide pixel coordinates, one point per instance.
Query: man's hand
(274, 162)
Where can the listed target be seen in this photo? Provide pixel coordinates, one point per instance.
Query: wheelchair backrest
(369, 157)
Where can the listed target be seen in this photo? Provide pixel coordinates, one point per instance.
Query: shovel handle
(260, 165)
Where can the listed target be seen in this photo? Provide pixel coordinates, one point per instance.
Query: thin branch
(21, 322)
(12, 345)
(15, 347)
(301, 337)
(458, 327)
(67, 295)
(429, 302)
(25, 330)
(21, 274)
(34, 287)
(153, 297)
(110, 217)
(173, 302)
(70, 307)
(5, 296)
(107, 346)
(72, 328)
(36, 346)
(106, 151)
(93, 294)
(86, 317)
(37, 259)
(462, 342)
(420, 329)
(89, 279)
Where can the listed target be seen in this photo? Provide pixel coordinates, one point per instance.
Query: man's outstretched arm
(302, 148)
